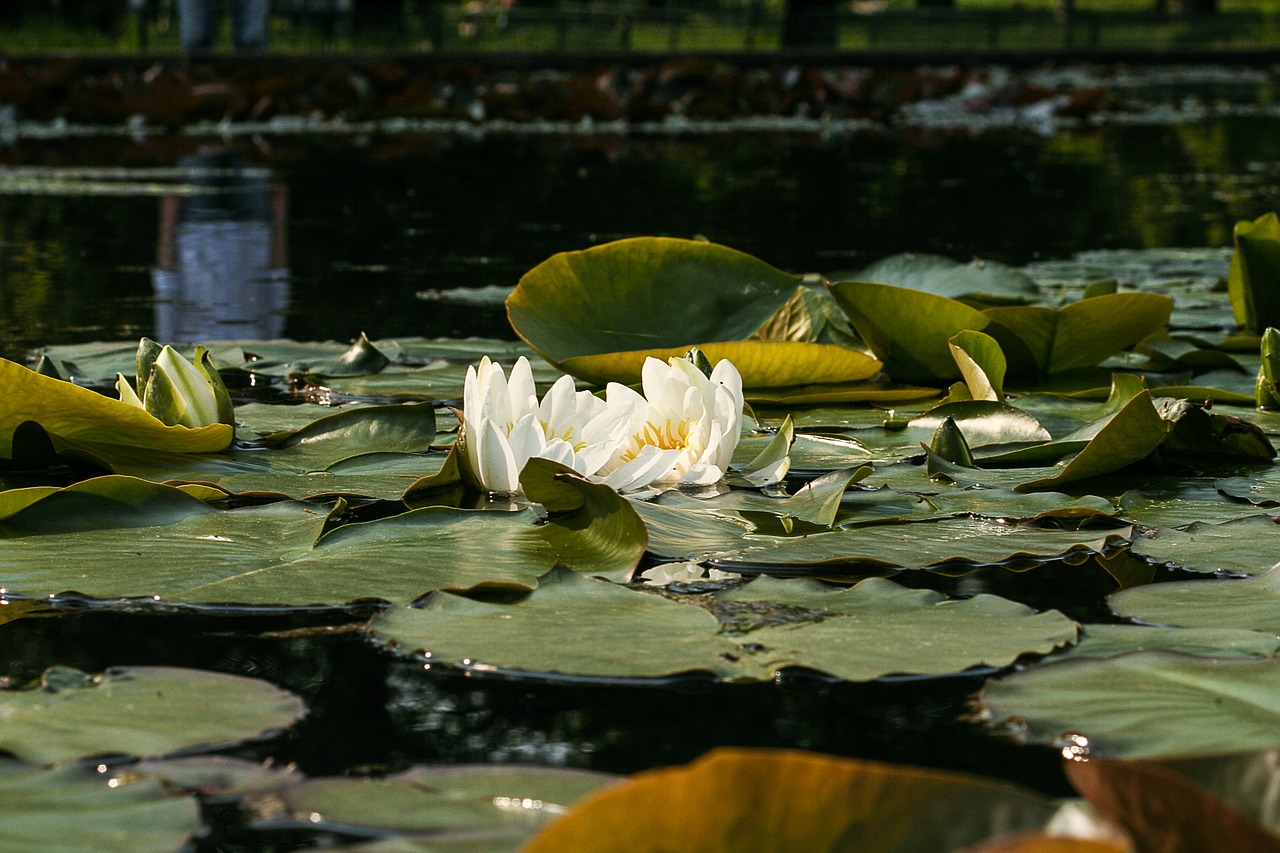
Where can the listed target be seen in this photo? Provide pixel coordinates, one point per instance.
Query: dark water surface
(371, 223)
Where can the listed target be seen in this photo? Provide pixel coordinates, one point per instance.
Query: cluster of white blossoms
(681, 431)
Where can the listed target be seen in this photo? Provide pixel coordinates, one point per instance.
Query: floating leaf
(730, 800)
(77, 413)
(1249, 781)
(907, 329)
(978, 280)
(575, 626)
(1255, 270)
(950, 543)
(1128, 436)
(982, 364)
(572, 625)
(1110, 640)
(512, 800)
(1145, 703)
(878, 628)
(274, 554)
(76, 809)
(1252, 603)
(1245, 546)
(1078, 335)
(142, 711)
(645, 293)
(763, 364)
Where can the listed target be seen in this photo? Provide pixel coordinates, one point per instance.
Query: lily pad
(77, 413)
(646, 293)
(571, 626)
(76, 809)
(878, 628)
(1081, 334)
(907, 329)
(142, 711)
(730, 800)
(1110, 640)
(276, 554)
(1249, 603)
(978, 280)
(764, 365)
(440, 800)
(946, 544)
(1144, 704)
(1246, 546)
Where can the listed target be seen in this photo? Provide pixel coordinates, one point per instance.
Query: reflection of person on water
(221, 264)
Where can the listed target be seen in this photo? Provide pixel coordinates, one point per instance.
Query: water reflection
(222, 257)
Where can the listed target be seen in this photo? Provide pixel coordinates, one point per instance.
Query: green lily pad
(1081, 334)
(647, 293)
(276, 554)
(1144, 704)
(142, 711)
(688, 533)
(77, 413)
(1128, 436)
(438, 800)
(1179, 501)
(878, 628)
(978, 280)
(907, 329)
(1246, 546)
(1249, 603)
(731, 800)
(1251, 282)
(217, 777)
(940, 545)
(571, 624)
(982, 364)
(1110, 640)
(76, 809)
(764, 365)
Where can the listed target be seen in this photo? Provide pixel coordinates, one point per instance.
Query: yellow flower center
(665, 437)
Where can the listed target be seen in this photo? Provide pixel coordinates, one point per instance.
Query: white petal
(522, 393)
(496, 465)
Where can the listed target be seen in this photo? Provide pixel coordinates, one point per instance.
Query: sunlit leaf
(642, 294)
(731, 800)
(78, 413)
(907, 329)
(763, 364)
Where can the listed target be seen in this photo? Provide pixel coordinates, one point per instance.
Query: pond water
(374, 223)
(363, 232)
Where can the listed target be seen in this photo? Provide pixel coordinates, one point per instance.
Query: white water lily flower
(176, 391)
(505, 425)
(681, 432)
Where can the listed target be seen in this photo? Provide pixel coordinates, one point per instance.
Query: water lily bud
(950, 444)
(1268, 396)
(175, 391)
(698, 359)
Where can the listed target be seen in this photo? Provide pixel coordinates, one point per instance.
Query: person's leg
(196, 24)
(250, 23)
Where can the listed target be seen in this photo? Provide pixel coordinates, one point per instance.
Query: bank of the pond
(171, 92)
